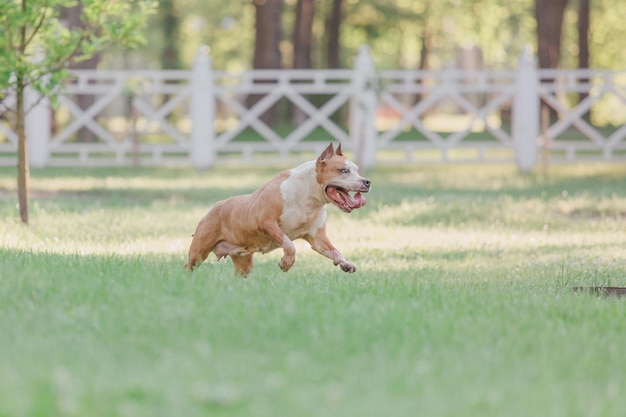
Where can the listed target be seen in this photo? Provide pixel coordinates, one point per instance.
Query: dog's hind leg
(204, 240)
(198, 252)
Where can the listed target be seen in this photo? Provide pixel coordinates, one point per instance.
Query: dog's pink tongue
(358, 201)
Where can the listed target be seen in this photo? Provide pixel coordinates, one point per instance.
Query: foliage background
(392, 29)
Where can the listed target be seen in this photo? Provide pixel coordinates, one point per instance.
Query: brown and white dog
(290, 206)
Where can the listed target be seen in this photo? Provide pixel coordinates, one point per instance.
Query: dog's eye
(345, 171)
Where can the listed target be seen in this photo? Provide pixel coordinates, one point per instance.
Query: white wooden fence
(202, 116)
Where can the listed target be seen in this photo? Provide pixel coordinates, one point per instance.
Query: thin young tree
(33, 28)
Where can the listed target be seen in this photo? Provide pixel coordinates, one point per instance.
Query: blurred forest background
(405, 34)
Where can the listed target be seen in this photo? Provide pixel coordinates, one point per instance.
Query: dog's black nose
(367, 182)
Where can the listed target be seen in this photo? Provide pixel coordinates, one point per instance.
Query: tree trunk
(267, 46)
(170, 57)
(426, 39)
(549, 16)
(425, 49)
(268, 34)
(302, 46)
(583, 44)
(72, 17)
(333, 26)
(333, 51)
(171, 24)
(303, 34)
(583, 33)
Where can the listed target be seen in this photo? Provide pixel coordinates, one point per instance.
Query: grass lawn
(461, 304)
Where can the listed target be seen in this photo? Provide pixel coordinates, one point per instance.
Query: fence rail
(201, 116)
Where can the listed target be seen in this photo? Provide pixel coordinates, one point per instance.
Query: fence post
(525, 117)
(202, 110)
(37, 124)
(363, 109)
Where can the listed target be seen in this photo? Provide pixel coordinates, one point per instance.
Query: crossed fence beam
(596, 85)
(413, 116)
(286, 86)
(364, 90)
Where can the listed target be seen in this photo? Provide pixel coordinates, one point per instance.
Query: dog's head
(339, 177)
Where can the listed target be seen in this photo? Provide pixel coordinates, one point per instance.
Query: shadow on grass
(391, 185)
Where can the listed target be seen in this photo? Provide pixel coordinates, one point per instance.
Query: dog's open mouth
(342, 198)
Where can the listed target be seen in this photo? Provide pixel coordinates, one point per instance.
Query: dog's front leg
(274, 231)
(321, 244)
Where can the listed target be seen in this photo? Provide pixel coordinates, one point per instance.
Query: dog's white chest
(304, 211)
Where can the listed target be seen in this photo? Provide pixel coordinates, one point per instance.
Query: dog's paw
(285, 264)
(347, 267)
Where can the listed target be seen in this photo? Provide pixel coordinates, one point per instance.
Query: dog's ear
(327, 153)
(338, 151)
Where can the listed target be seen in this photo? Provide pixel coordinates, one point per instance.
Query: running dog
(290, 206)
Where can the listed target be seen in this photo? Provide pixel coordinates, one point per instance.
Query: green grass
(461, 305)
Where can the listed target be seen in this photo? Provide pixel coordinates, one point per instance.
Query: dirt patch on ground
(594, 213)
